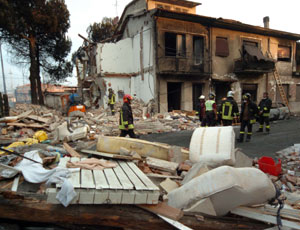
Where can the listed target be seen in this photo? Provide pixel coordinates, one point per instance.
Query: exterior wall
(153, 5)
(128, 64)
(223, 67)
(180, 64)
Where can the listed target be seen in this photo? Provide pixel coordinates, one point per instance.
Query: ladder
(279, 84)
(280, 87)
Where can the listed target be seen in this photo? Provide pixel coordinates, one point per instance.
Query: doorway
(222, 89)
(197, 92)
(174, 95)
(250, 88)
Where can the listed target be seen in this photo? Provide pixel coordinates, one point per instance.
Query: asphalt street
(284, 133)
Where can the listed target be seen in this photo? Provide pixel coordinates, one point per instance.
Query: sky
(283, 16)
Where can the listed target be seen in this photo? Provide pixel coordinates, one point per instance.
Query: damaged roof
(226, 24)
(184, 3)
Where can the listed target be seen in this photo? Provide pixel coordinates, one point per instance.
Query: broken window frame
(198, 59)
(222, 51)
(178, 49)
(280, 53)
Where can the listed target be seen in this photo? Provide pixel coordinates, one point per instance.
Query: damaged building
(163, 50)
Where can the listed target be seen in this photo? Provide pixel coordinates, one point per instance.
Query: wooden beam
(71, 151)
(33, 208)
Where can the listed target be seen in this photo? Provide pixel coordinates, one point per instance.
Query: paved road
(283, 134)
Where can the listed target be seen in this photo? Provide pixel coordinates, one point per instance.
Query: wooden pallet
(125, 184)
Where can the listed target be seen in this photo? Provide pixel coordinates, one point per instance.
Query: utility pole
(116, 5)
(4, 84)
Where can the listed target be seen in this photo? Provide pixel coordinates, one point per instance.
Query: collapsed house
(163, 51)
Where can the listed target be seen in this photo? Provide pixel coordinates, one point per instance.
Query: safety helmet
(127, 98)
(202, 97)
(230, 94)
(212, 96)
(247, 96)
(110, 90)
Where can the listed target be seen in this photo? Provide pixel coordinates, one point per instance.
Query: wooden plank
(63, 162)
(124, 180)
(162, 164)
(71, 151)
(15, 185)
(37, 126)
(112, 179)
(160, 176)
(109, 155)
(75, 177)
(142, 176)
(175, 223)
(164, 210)
(138, 184)
(257, 215)
(86, 196)
(101, 197)
(39, 119)
(87, 179)
(100, 180)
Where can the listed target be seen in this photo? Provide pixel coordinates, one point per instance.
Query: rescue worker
(111, 100)
(264, 108)
(228, 110)
(249, 111)
(211, 110)
(201, 110)
(126, 118)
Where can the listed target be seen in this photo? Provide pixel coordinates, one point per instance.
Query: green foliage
(43, 23)
(105, 29)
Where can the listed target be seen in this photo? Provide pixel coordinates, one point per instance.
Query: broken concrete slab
(168, 185)
(242, 160)
(162, 164)
(203, 206)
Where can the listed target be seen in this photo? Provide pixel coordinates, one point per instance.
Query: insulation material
(226, 187)
(213, 145)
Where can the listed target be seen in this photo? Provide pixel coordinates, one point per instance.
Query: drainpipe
(210, 59)
(155, 63)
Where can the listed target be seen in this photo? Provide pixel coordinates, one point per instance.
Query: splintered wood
(124, 184)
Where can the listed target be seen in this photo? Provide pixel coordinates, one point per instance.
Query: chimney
(266, 22)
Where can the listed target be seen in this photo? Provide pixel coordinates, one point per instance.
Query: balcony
(253, 61)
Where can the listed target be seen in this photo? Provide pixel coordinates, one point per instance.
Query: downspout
(267, 75)
(210, 59)
(155, 56)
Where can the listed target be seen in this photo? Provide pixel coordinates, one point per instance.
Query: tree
(35, 29)
(105, 29)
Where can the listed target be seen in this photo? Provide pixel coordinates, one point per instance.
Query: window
(185, 11)
(167, 7)
(159, 6)
(250, 43)
(284, 53)
(222, 48)
(198, 50)
(175, 45)
(177, 9)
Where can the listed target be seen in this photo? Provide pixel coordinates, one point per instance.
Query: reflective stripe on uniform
(112, 100)
(242, 132)
(249, 133)
(266, 114)
(227, 107)
(124, 123)
(252, 121)
(267, 126)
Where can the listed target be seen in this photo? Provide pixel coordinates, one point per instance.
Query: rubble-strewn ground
(284, 133)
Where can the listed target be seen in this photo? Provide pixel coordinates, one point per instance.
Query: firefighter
(211, 110)
(201, 110)
(126, 118)
(249, 111)
(228, 110)
(111, 100)
(264, 108)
